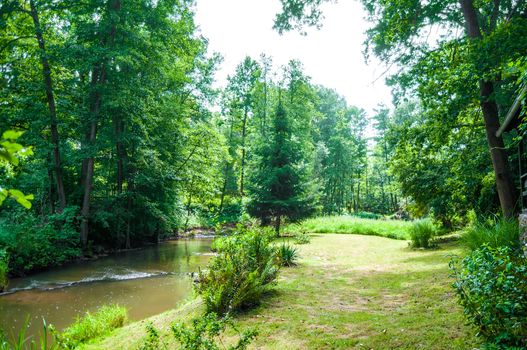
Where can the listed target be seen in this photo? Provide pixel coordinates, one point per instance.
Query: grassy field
(396, 229)
(348, 292)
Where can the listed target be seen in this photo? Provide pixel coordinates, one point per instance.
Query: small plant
(205, 334)
(421, 233)
(302, 238)
(244, 269)
(152, 340)
(46, 339)
(498, 233)
(287, 255)
(491, 284)
(91, 326)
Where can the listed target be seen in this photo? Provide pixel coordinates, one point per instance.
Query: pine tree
(279, 186)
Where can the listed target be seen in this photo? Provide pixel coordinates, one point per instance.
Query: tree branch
(6, 45)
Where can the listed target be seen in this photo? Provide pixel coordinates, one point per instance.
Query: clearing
(348, 292)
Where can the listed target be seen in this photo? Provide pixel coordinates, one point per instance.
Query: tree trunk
(50, 97)
(277, 225)
(244, 132)
(98, 79)
(121, 154)
(504, 181)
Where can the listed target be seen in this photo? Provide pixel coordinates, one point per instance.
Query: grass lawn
(348, 292)
(396, 229)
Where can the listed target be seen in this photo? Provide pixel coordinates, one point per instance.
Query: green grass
(497, 233)
(396, 229)
(93, 325)
(347, 292)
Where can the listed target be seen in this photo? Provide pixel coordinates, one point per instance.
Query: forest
(115, 137)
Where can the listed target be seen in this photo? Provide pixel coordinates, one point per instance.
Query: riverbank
(348, 292)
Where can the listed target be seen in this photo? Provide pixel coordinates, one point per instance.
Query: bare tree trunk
(277, 225)
(504, 181)
(50, 97)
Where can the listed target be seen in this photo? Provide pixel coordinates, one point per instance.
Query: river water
(146, 281)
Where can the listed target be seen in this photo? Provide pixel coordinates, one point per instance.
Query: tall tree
(455, 71)
(279, 187)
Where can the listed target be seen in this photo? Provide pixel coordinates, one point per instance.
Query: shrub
(205, 334)
(287, 255)
(368, 215)
(152, 341)
(498, 233)
(302, 238)
(33, 244)
(91, 326)
(421, 233)
(244, 269)
(491, 284)
(4, 270)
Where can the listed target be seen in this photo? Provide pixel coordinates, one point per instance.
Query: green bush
(497, 233)
(287, 255)
(205, 334)
(244, 269)
(34, 245)
(91, 326)
(302, 238)
(4, 270)
(491, 284)
(422, 233)
(152, 341)
(367, 215)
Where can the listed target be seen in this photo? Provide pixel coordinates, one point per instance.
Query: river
(146, 281)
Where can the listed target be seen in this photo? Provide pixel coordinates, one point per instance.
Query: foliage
(242, 272)
(302, 238)
(4, 270)
(396, 229)
(46, 339)
(496, 233)
(152, 341)
(280, 187)
(491, 284)
(205, 334)
(287, 255)
(368, 215)
(93, 325)
(461, 78)
(33, 245)
(422, 233)
(10, 154)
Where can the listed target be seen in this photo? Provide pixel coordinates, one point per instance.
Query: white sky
(332, 56)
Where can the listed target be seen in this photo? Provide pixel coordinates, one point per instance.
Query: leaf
(21, 198)
(12, 135)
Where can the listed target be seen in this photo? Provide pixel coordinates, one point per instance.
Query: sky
(332, 56)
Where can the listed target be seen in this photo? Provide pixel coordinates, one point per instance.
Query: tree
(279, 186)
(453, 74)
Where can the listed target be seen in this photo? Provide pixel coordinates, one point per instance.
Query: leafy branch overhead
(10, 154)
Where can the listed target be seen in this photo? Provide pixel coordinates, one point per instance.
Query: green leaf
(12, 135)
